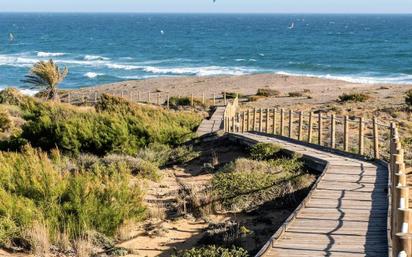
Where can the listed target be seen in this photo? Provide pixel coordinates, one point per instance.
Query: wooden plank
(346, 214)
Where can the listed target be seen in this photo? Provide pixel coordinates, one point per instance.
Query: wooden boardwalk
(346, 213)
(214, 124)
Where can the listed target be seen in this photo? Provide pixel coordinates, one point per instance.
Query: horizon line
(247, 13)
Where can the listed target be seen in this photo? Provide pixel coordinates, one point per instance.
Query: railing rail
(364, 137)
(150, 97)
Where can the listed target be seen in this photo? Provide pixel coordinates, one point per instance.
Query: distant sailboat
(162, 32)
(11, 37)
(291, 26)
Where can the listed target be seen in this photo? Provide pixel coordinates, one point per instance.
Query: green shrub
(295, 94)
(183, 101)
(408, 97)
(5, 121)
(12, 96)
(213, 251)
(180, 101)
(231, 95)
(183, 154)
(34, 187)
(245, 184)
(116, 126)
(264, 151)
(155, 153)
(254, 98)
(140, 167)
(353, 97)
(267, 92)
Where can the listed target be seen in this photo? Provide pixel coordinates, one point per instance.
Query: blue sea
(104, 48)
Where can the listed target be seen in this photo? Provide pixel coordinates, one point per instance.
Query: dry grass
(62, 241)
(158, 211)
(38, 237)
(127, 230)
(83, 247)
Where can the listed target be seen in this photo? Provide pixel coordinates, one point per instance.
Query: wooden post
(310, 130)
(290, 123)
(224, 97)
(69, 99)
(248, 120)
(203, 98)
(122, 94)
(267, 120)
(333, 131)
(168, 101)
(282, 118)
(274, 122)
(361, 136)
(320, 128)
(95, 97)
(242, 123)
(345, 134)
(214, 99)
(375, 138)
(149, 100)
(254, 120)
(260, 119)
(158, 99)
(191, 100)
(300, 128)
(237, 122)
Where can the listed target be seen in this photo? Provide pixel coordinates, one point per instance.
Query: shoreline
(321, 90)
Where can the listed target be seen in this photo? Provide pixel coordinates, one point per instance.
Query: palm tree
(48, 75)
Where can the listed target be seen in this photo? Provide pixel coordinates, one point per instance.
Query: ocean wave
(47, 54)
(16, 61)
(200, 71)
(356, 78)
(93, 75)
(95, 58)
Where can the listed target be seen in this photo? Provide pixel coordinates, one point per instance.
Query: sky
(207, 6)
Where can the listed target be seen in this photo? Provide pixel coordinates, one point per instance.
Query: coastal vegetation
(71, 172)
(267, 92)
(213, 251)
(408, 98)
(353, 97)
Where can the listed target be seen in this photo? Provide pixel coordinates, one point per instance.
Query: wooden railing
(366, 138)
(401, 218)
(229, 116)
(157, 98)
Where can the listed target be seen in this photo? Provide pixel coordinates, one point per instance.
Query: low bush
(183, 154)
(254, 98)
(35, 188)
(245, 184)
(185, 101)
(295, 94)
(117, 126)
(5, 121)
(267, 92)
(213, 251)
(263, 151)
(140, 167)
(408, 97)
(353, 97)
(231, 95)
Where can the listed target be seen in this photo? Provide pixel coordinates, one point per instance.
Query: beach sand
(322, 91)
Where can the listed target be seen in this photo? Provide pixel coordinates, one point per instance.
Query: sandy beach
(320, 91)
